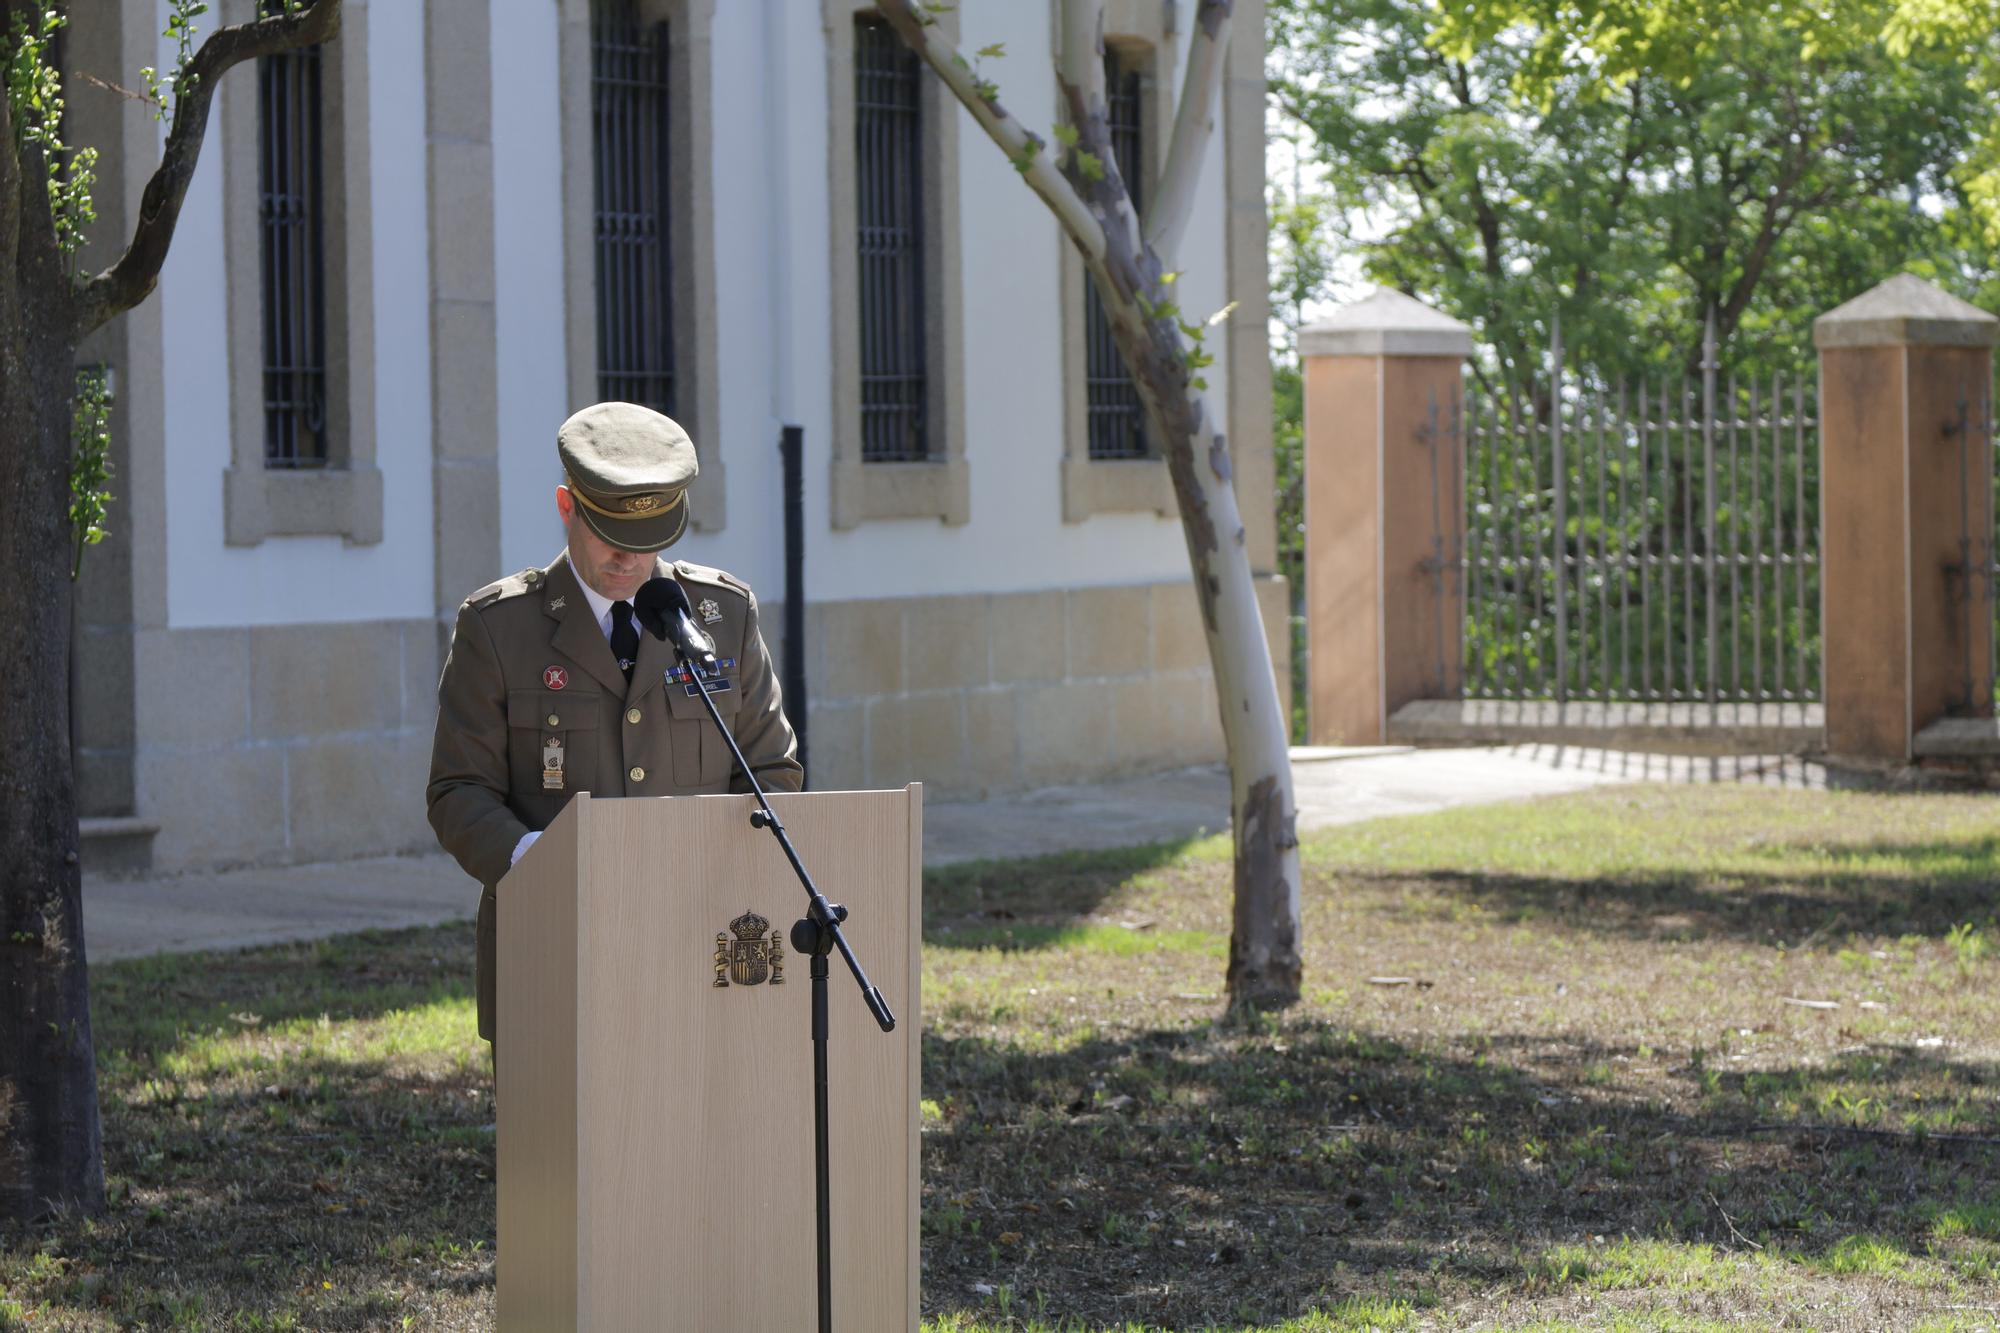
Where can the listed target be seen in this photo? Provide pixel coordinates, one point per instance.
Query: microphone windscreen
(656, 600)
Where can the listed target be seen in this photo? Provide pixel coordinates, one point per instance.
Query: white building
(336, 416)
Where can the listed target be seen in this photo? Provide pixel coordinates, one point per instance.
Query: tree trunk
(1095, 208)
(1264, 966)
(51, 1152)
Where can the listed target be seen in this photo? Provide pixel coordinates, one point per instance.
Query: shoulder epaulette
(708, 574)
(512, 586)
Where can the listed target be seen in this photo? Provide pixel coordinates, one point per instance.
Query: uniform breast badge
(552, 764)
(710, 612)
(750, 958)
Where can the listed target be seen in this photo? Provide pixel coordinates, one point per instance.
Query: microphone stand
(816, 934)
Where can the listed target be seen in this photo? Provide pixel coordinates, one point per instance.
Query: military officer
(551, 688)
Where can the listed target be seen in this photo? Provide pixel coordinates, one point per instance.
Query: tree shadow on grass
(1037, 897)
(339, 1195)
(1801, 911)
(1193, 1178)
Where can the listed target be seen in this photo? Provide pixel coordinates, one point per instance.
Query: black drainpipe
(791, 449)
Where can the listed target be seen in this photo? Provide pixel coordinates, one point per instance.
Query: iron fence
(1970, 579)
(1648, 542)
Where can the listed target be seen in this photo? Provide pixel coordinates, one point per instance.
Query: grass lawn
(1650, 1058)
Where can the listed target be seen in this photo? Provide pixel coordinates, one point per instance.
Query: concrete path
(126, 918)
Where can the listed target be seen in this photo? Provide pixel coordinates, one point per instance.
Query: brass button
(554, 721)
(632, 715)
(638, 775)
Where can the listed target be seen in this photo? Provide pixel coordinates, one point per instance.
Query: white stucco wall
(775, 315)
(295, 579)
(533, 389)
(772, 323)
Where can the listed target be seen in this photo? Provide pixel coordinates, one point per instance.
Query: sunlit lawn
(1647, 1058)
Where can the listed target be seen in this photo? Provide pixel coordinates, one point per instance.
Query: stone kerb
(1375, 371)
(1906, 380)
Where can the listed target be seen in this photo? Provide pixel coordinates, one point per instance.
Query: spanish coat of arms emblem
(750, 958)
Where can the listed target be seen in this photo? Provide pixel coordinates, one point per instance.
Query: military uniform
(533, 707)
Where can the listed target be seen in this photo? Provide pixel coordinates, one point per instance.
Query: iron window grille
(889, 194)
(292, 229)
(1115, 419)
(628, 98)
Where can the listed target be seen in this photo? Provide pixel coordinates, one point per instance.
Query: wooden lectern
(655, 1068)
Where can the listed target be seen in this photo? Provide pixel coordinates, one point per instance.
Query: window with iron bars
(1114, 418)
(889, 193)
(292, 229)
(628, 98)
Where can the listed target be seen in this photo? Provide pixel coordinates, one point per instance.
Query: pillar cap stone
(1387, 323)
(1906, 311)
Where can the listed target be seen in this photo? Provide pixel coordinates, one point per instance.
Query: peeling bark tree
(50, 1147)
(1080, 184)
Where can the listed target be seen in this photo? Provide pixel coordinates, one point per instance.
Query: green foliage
(180, 26)
(90, 463)
(1288, 443)
(35, 102)
(1616, 41)
(1300, 267)
(1768, 180)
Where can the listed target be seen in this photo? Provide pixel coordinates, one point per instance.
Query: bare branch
(127, 282)
(129, 94)
(1194, 124)
(1025, 149)
(1124, 270)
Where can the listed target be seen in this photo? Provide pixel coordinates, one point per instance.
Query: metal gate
(1970, 579)
(1656, 541)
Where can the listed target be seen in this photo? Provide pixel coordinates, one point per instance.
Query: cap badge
(642, 504)
(710, 612)
(555, 677)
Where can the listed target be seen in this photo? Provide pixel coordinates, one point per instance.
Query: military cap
(628, 468)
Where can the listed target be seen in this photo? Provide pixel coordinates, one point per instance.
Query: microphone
(662, 607)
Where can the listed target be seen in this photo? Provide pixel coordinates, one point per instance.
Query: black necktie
(624, 638)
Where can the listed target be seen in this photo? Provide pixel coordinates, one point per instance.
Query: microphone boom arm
(824, 914)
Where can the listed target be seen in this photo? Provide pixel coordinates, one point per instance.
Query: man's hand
(521, 847)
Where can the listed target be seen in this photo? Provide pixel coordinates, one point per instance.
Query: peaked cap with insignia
(628, 469)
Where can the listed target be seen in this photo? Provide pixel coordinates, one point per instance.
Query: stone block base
(1008, 691)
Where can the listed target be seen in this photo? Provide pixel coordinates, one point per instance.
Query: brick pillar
(1384, 472)
(1906, 468)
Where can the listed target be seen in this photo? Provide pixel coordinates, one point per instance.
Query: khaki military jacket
(532, 709)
